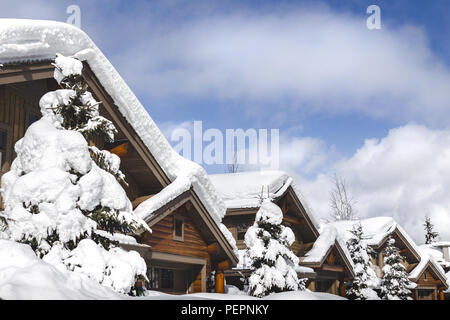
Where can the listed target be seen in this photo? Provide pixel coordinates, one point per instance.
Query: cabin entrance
(425, 294)
(176, 274)
(170, 280)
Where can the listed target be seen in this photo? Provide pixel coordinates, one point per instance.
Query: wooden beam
(224, 265)
(25, 72)
(139, 200)
(293, 220)
(121, 150)
(213, 248)
(335, 268)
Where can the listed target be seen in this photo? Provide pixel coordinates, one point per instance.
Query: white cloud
(405, 175)
(301, 59)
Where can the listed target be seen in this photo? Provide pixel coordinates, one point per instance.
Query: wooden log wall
(162, 240)
(15, 110)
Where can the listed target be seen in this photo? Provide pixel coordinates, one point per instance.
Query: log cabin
(242, 193)
(331, 261)
(423, 269)
(188, 241)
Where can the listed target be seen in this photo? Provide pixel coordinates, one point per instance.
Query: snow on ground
(24, 276)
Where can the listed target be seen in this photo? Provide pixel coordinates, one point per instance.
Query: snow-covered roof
(26, 41)
(329, 236)
(435, 253)
(243, 189)
(147, 208)
(441, 244)
(427, 257)
(376, 230)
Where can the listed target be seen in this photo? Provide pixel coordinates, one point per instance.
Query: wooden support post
(441, 295)
(342, 288)
(220, 282)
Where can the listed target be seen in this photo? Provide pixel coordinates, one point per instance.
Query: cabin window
(166, 279)
(425, 294)
(425, 276)
(31, 118)
(153, 277)
(324, 285)
(241, 229)
(3, 137)
(178, 228)
(160, 278)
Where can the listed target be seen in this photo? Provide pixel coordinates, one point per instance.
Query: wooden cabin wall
(16, 110)
(162, 240)
(427, 279)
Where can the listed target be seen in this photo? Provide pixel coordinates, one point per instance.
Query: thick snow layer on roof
(243, 189)
(146, 209)
(302, 269)
(321, 246)
(378, 228)
(441, 244)
(38, 40)
(427, 254)
(375, 229)
(329, 235)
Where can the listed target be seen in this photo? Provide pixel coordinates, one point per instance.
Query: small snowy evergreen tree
(63, 198)
(361, 287)
(268, 245)
(430, 234)
(395, 284)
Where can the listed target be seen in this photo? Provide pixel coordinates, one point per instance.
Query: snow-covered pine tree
(63, 198)
(430, 234)
(268, 245)
(395, 284)
(361, 287)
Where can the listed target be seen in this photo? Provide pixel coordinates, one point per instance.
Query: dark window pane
(153, 277)
(178, 228)
(2, 147)
(241, 230)
(2, 140)
(166, 279)
(33, 117)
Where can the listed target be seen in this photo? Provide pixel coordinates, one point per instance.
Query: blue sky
(133, 21)
(346, 99)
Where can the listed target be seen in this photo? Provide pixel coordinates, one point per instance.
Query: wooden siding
(162, 240)
(430, 281)
(14, 112)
